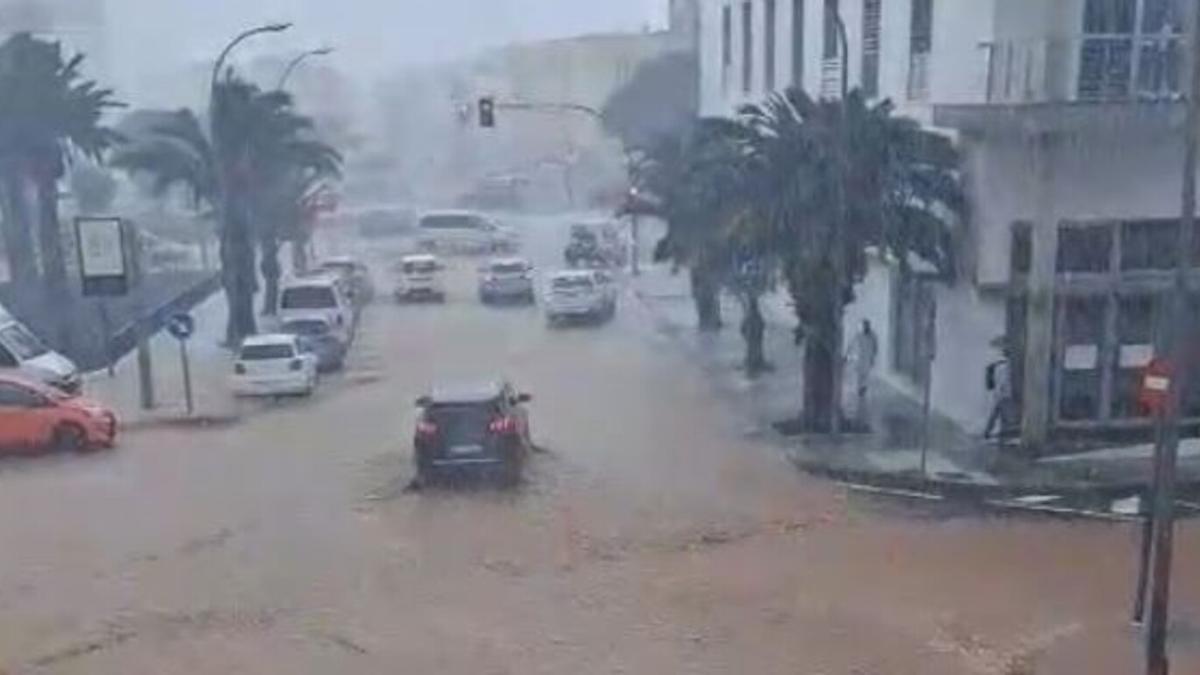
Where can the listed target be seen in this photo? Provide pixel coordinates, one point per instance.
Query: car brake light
(503, 425)
(296, 364)
(426, 428)
(239, 368)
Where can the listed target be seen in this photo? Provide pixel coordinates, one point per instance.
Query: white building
(1068, 116)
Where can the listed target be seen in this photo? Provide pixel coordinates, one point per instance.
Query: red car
(34, 417)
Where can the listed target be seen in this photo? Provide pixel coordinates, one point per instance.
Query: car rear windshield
(508, 268)
(420, 267)
(572, 283)
(308, 297)
(462, 423)
(266, 352)
(308, 328)
(451, 221)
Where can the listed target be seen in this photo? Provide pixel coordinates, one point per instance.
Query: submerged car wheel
(70, 438)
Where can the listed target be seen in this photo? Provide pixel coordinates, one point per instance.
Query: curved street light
(244, 35)
(291, 66)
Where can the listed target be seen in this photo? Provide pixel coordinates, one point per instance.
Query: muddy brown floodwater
(651, 537)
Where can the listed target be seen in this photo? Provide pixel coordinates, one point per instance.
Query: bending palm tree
(47, 113)
(902, 194)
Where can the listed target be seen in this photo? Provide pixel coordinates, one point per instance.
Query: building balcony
(1055, 83)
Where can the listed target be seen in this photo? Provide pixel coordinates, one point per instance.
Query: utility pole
(1177, 331)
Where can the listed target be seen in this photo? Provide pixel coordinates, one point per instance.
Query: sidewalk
(210, 363)
(891, 453)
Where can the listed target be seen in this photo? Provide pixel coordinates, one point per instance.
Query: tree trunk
(237, 273)
(706, 296)
(54, 262)
(17, 229)
(820, 400)
(271, 271)
(300, 255)
(753, 331)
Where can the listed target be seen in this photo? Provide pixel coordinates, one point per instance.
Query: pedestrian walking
(998, 380)
(862, 352)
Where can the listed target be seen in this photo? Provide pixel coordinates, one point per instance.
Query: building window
(747, 47)
(872, 20)
(1084, 248)
(919, 46)
(769, 45)
(1123, 55)
(798, 43)
(829, 45)
(726, 46)
(1020, 255)
(1149, 244)
(1082, 330)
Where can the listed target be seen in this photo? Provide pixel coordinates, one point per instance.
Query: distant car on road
(319, 337)
(506, 279)
(597, 244)
(419, 277)
(385, 221)
(276, 364)
(483, 427)
(36, 417)
(463, 232)
(580, 294)
(357, 276)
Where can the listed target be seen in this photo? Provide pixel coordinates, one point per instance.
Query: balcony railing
(1091, 68)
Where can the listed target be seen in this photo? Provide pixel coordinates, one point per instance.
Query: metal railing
(1090, 68)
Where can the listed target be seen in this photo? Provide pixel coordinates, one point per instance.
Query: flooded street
(651, 536)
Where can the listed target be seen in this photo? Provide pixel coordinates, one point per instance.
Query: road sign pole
(187, 376)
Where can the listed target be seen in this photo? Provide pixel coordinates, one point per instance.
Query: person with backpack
(998, 380)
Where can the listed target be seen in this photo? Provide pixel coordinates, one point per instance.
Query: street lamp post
(291, 66)
(241, 37)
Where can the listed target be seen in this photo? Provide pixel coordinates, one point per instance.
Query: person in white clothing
(863, 351)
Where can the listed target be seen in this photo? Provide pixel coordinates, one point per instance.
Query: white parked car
(419, 277)
(317, 298)
(580, 294)
(506, 279)
(23, 353)
(274, 365)
(463, 232)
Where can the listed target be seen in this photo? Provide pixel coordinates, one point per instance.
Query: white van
(318, 297)
(23, 352)
(463, 232)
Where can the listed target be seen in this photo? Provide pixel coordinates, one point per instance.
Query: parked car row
(316, 323)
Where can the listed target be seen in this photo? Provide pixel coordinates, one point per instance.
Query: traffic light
(487, 112)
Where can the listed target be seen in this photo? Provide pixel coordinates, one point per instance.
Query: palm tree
(695, 178)
(901, 193)
(288, 166)
(240, 173)
(47, 114)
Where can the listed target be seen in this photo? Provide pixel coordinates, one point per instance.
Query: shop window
(1084, 248)
(1137, 322)
(1082, 327)
(1149, 244)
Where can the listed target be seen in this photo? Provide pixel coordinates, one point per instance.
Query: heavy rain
(817, 337)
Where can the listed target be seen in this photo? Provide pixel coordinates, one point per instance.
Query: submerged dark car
(481, 427)
(318, 336)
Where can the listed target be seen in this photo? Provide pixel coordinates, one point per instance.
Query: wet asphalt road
(651, 537)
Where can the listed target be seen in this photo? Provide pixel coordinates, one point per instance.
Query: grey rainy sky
(150, 37)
